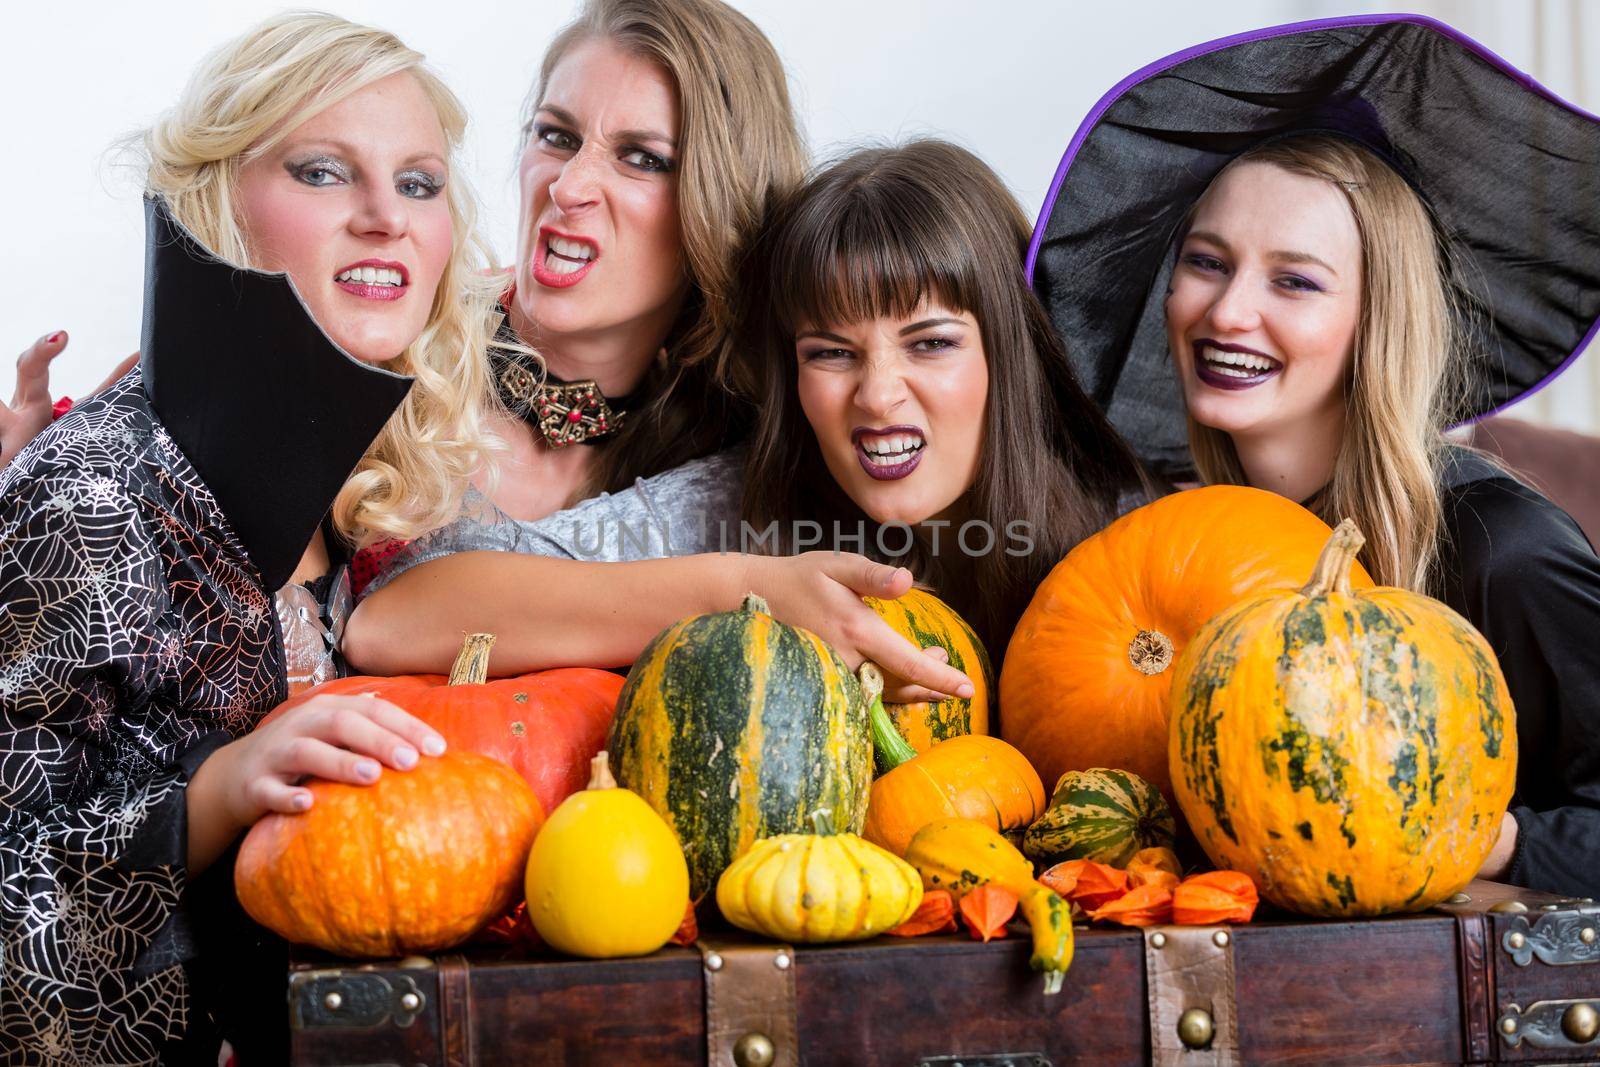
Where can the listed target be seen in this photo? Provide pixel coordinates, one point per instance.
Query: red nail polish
(53, 338)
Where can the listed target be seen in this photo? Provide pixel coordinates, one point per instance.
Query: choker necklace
(565, 413)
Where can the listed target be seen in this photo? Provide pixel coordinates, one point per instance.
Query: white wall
(1009, 79)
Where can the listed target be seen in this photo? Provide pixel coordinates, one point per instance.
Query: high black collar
(272, 414)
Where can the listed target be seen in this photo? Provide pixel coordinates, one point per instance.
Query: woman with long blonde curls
(1317, 321)
(656, 136)
(310, 286)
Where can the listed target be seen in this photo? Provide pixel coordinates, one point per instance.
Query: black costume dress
(1511, 175)
(1522, 572)
(141, 538)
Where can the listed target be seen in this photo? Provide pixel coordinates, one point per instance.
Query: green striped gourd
(736, 727)
(928, 622)
(1102, 815)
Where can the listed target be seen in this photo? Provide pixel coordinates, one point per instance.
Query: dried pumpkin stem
(600, 772)
(1150, 651)
(472, 665)
(822, 822)
(755, 602)
(1332, 572)
(892, 749)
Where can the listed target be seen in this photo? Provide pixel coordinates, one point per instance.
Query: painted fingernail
(434, 746)
(53, 338)
(300, 801)
(367, 770)
(405, 757)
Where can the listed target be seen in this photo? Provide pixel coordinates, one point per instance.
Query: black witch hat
(1510, 171)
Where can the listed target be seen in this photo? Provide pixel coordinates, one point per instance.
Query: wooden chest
(1505, 976)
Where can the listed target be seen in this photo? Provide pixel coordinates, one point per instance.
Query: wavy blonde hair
(245, 98)
(740, 149)
(1404, 380)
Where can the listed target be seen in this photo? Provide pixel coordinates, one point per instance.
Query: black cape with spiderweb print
(138, 633)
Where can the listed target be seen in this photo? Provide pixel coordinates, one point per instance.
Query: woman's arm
(1530, 582)
(560, 612)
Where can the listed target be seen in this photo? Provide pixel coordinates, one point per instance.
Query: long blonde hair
(739, 150)
(245, 98)
(1404, 379)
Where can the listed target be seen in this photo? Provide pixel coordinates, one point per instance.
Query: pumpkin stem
(600, 772)
(1332, 572)
(755, 602)
(472, 665)
(1150, 651)
(822, 822)
(892, 749)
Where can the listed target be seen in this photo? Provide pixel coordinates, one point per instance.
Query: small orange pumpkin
(969, 776)
(418, 861)
(928, 622)
(1088, 673)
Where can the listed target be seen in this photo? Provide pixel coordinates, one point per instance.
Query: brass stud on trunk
(1196, 1028)
(1509, 907)
(1581, 1023)
(754, 1050)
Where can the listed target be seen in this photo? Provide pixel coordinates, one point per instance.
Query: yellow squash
(606, 876)
(962, 854)
(818, 887)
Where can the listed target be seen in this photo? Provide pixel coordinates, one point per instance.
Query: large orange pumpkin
(1088, 673)
(416, 862)
(1352, 751)
(547, 725)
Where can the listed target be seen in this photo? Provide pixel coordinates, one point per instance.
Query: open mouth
(889, 454)
(1232, 366)
(373, 279)
(563, 260)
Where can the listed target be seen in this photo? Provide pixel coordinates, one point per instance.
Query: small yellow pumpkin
(961, 854)
(818, 887)
(606, 876)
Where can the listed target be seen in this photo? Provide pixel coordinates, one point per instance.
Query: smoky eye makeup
(317, 170)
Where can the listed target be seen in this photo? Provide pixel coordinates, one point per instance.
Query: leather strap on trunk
(456, 1045)
(1189, 976)
(750, 1012)
(1476, 963)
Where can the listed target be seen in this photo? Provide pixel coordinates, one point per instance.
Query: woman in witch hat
(157, 542)
(1317, 247)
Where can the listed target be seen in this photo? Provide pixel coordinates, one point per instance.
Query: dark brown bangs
(868, 247)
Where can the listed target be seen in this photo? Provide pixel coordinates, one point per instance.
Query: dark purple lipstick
(1212, 373)
(882, 471)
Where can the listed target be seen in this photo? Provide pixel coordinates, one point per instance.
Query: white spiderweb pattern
(131, 626)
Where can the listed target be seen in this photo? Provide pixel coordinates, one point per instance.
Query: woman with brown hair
(910, 379)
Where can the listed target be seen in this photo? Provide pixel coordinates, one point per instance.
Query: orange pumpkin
(416, 862)
(1351, 751)
(970, 776)
(547, 725)
(1088, 673)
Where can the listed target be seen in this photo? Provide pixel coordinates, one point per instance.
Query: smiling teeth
(1236, 364)
(369, 276)
(887, 451)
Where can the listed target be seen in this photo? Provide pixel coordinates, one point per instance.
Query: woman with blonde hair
(1316, 328)
(311, 286)
(656, 137)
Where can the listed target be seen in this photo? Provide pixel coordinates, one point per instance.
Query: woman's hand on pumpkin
(1498, 862)
(335, 738)
(822, 591)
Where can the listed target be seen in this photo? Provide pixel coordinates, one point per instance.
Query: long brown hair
(873, 235)
(1405, 381)
(739, 148)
